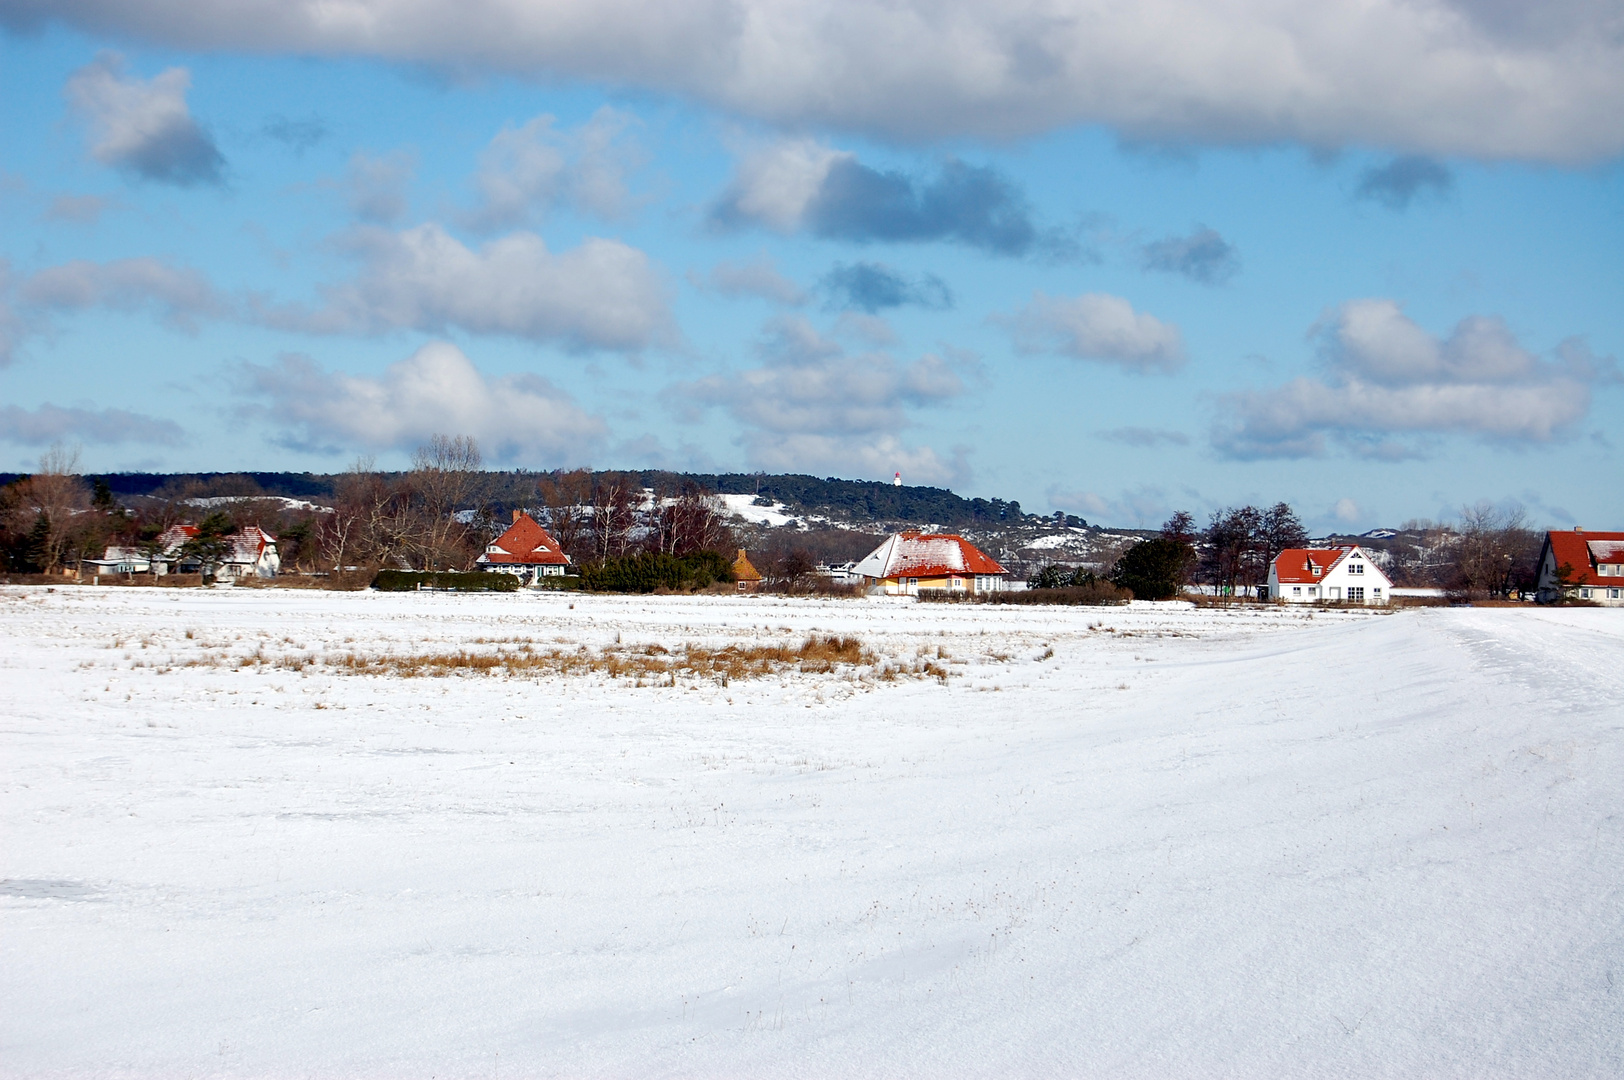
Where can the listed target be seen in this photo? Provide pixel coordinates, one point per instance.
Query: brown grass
(641, 664)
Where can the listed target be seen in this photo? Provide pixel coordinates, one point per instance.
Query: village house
(250, 552)
(526, 551)
(1340, 575)
(745, 573)
(909, 562)
(1576, 565)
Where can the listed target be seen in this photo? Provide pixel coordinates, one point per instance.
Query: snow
(1055, 540)
(1139, 841)
(743, 506)
(235, 500)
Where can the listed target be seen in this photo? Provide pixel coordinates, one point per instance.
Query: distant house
(1578, 565)
(1340, 575)
(526, 550)
(117, 560)
(747, 576)
(250, 552)
(909, 562)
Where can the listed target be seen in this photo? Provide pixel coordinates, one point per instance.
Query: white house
(908, 562)
(526, 551)
(1582, 566)
(252, 553)
(1340, 575)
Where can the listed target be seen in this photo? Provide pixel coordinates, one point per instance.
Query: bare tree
(692, 521)
(614, 514)
(567, 497)
(444, 481)
(1234, 549)
(55, 496)
(1495, 552)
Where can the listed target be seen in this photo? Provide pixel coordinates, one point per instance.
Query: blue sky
(1129, 261)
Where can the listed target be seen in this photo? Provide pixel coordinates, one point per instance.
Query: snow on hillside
(1143, 841)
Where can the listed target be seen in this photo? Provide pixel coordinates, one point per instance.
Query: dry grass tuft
(641, 664)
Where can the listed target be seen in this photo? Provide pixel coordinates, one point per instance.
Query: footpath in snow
(1145, 842)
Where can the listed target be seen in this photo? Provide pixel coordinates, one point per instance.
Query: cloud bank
(1387, 379)
(813, 406)
(802, 185)
(528, 171)
(1203, 256)
(52, 423)
(602, 294)
(143, 127)
(872, 287)
(1480, 78)
(1098, 327)
(516, 418)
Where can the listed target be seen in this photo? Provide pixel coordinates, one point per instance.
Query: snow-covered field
(1147, 842)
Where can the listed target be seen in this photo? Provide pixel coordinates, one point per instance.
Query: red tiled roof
(1584, 551)
(927, 555)
(526, 543)
(1295, 566)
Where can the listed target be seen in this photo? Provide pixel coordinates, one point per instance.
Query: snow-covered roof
(926, 555)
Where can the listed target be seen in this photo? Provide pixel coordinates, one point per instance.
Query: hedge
(409, 580)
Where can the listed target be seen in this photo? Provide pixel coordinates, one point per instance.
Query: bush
(1098, 593)
(409, 580)
(649, 572)
(1154, 569)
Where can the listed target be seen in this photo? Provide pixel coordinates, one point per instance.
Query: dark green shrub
(409, 580)
(649, 571)
(1154, 569)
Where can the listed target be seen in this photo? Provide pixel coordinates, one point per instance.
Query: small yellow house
(747, 576)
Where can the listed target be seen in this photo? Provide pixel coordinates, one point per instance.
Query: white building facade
(1342, 575)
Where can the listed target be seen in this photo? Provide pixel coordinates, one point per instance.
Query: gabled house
(1578, 565)
(909, 562)
(745, 574)
(526, 550)
(1339, 575)
(250, 552)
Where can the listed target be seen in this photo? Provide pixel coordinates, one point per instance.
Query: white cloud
(600, 295)
(775, 185)
(1481, 78)
(516, 418)
(53, 423)
(811, 406)
(528, 170)
(753, 277)
(144, 126)
(375, 186)
(1345, 512)
(1387, 377)
(1096, 326)
(182, 296)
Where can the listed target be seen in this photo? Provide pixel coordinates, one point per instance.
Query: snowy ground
(1183, 844)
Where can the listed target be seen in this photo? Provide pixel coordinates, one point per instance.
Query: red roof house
(1579, 565)
(908, 562)
(1340, 575)
(526, 549)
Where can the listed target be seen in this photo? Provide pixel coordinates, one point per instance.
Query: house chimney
(1577, 529)
(515, 517)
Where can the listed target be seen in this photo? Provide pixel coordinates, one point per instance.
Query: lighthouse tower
(898, 481)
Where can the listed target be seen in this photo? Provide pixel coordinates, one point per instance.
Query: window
(1313, 590)
(1296, 590)
(1356, 568)
(1612, 594)
(1585, 593)
(1377, 591)
(1356, 594)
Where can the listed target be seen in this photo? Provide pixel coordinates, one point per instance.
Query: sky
(1104, 258)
